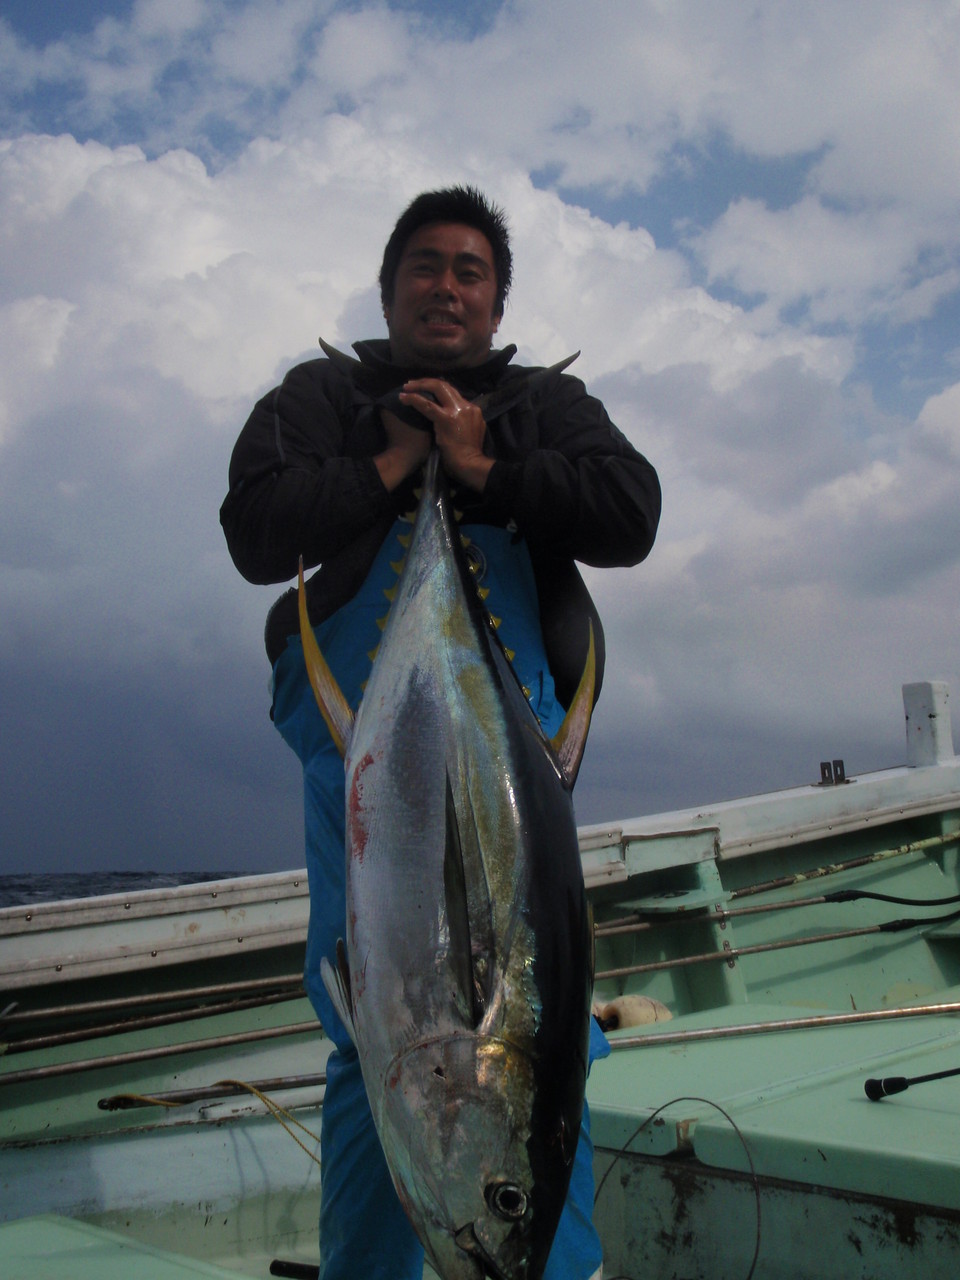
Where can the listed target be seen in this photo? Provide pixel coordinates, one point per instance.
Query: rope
(280, 1114)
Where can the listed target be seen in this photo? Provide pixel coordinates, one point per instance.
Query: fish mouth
(466, 1239)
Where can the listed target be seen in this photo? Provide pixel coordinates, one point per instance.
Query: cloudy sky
(746, 216)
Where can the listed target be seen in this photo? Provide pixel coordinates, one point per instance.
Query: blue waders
(363, 1229)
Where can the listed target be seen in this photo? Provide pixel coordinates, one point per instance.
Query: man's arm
(575, 485)
(303, 477)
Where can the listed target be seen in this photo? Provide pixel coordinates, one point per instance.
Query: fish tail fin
(571, 737)
(333, 705)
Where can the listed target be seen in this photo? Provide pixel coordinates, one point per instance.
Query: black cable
(850, 895)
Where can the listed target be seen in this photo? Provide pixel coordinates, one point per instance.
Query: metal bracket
(832, 773)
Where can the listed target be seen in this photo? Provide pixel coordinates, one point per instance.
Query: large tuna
(466, 974)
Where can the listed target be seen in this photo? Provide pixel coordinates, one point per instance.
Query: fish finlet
(404, 539)
(390, 593)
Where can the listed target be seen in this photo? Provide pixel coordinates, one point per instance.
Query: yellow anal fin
(333, 705)
(571, 737)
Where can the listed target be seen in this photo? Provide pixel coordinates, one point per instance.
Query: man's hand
(458, 427)
(407, 450)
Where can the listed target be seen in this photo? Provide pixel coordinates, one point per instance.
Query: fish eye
(507, 1200)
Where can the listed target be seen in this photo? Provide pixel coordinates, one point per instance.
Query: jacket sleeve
(582, 491)
(299, 481)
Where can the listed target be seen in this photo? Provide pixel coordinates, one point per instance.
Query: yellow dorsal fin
(571, 737)
(333, 705)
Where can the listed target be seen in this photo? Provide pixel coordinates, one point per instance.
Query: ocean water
(55, 886)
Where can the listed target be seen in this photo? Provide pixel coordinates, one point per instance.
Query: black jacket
(303, 482)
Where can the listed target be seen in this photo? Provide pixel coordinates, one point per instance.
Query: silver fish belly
(466, 973)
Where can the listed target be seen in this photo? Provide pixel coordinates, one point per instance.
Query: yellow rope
(280, 1114)
(145, 1100)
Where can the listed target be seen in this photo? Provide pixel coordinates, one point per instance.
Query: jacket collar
(377, 380)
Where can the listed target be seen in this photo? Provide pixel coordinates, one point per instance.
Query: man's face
(443, 312)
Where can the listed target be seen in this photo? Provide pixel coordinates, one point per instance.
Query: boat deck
(741, 1125)
(733, 1137)
(47, 1247)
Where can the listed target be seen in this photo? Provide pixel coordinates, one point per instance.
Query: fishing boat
(780, 980)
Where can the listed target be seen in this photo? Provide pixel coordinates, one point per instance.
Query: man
(325, 468)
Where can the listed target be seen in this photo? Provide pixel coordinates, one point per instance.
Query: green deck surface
(52, 1248)
(719, 1147)
(796, 1100)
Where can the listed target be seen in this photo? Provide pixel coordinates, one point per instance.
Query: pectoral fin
(337, 982)
(333, 705)
(571, 737)
(469, 950)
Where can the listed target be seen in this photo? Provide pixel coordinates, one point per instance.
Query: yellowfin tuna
(465, 977)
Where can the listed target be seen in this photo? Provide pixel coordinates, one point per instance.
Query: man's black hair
(465, 205)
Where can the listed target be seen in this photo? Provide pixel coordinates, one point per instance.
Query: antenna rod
(879, 1089)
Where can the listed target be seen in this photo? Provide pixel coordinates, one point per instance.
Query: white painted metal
(929, 735)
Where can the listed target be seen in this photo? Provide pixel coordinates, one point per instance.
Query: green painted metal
(50, 1248)
(701, 1123)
